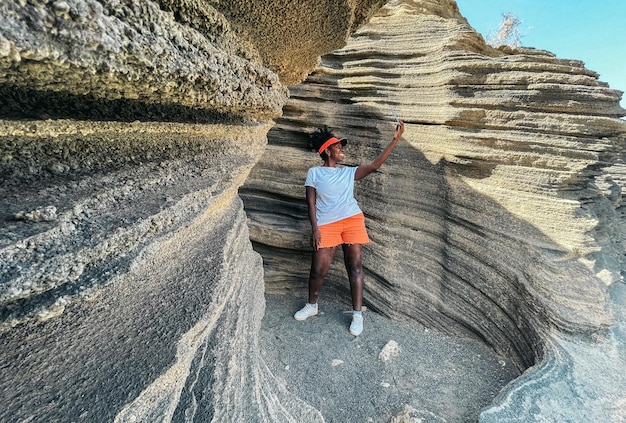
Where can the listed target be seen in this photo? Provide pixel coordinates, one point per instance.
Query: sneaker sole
(355, 333)
(304, 318)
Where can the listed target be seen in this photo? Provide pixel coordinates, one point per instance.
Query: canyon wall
(129, 131)
(498, 216)
(129, 290)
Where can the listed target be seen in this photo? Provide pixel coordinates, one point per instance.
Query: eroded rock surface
(291, 35)
(129, 290)
(128, 287)
(498, 216)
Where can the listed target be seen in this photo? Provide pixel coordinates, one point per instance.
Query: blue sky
(591, 31)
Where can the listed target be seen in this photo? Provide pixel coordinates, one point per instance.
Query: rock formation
(500, 214)
(129, 290)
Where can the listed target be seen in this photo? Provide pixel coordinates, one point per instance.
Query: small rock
(390, 350)
(61, 6)
(43, 214)
(5, 47)
(336, 362)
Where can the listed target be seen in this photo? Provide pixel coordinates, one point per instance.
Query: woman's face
(336, 152)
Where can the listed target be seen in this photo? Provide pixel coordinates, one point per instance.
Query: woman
(336, 219)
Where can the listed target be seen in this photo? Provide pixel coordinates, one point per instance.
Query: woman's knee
(321, 263)
(352, 256)
(356, 273)
(318, 272)
(354, 269)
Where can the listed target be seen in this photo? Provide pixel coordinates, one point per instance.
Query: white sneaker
(307, 311)
(356, 327)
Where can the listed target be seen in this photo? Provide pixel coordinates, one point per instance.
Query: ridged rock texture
(498, 216)
(129, 289)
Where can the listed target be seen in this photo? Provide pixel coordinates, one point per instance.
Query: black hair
(318, 138)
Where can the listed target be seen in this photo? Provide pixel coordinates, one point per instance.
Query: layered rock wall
(128, 287)
(129, 290)
(498, 216)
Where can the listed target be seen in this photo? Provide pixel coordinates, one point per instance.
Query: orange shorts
(350, 230)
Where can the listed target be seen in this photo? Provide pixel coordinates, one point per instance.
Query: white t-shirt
(334, 189)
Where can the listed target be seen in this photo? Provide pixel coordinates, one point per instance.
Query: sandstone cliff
(500, 214)
(129, 290)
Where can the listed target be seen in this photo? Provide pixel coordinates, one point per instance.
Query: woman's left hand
(399, 131)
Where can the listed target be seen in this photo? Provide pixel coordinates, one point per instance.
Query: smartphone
(395, 116)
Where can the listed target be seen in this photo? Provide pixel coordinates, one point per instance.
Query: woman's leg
(352, 260)
(319, 269)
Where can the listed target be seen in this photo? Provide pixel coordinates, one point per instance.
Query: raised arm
(363, 171)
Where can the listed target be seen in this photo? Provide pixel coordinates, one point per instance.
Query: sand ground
(437, 378)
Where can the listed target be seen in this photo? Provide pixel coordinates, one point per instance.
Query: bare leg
(319, 269)
(352, 260)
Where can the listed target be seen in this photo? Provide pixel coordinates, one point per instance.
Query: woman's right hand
(316, 238)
